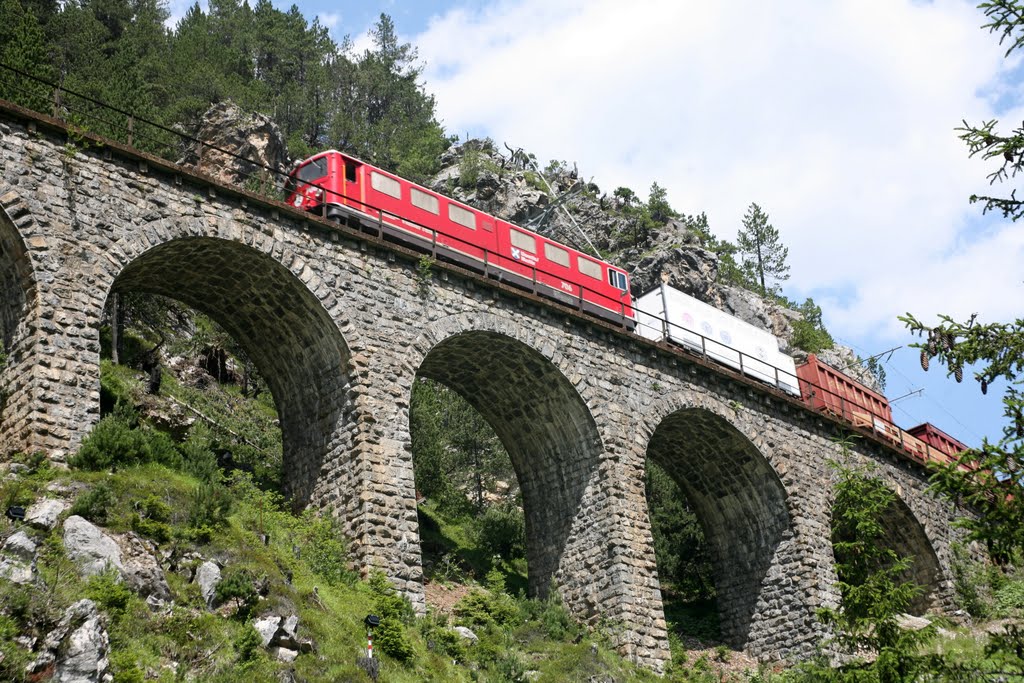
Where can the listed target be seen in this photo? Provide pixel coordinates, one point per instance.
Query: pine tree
(23, 47)
(762, 252)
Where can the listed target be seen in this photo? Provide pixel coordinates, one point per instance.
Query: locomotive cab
(328, 180)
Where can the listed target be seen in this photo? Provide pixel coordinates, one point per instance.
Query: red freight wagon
(937, 439)
(827, 389)
(343, 187)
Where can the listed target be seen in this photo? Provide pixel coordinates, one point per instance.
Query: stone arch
(905, 535)
(283, 327)
(729, 480)
(517, 383)
(18, 301)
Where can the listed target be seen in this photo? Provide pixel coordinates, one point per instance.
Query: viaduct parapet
(341, 324)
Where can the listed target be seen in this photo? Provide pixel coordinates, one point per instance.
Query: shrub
(237, 584)
(198, 458)
(324, 550)
(502, 531)
(116, 441)
(248, 644)
(209, 505)
(107, 590)
(1010, 597)
(95, 503)
(394, 612)
(481, 608)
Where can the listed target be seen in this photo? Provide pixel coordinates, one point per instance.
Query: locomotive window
(589, 268)
(383, 183)
(617, 279)
(556, 254)
(312, 170)
(350, 172)
(463, 217)
(422, 200)
(523, 241)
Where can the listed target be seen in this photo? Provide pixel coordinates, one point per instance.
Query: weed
(424, 273)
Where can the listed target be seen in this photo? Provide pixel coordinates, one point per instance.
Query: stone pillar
(51, 332)
(381, 516)
(618, 579)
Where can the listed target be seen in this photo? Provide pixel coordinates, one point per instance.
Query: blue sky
(837, 117)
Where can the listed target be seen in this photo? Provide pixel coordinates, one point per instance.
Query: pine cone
(932, 346)
(984, 386)
(924, 360)
(958, 373)
(948, 340)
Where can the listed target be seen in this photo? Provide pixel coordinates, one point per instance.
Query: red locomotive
(344, 188)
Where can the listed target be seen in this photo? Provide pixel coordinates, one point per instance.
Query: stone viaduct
(341, 324)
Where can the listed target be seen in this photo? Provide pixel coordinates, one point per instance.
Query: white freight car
(665, 312)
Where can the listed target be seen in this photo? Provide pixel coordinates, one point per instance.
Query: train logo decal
(725, 337)
(517, 254)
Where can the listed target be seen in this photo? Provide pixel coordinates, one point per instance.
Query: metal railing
(83, 114)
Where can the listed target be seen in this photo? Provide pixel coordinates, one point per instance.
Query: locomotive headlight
(298, 200)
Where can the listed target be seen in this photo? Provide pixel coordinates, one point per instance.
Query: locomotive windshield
(308, 172)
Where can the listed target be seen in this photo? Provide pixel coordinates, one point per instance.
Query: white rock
(290, 626)
(77, 647)
(283, 654)
(267, 628)
(466, 633)
(208, 576)
(45, 513)
(94, 551)
(912, 623)
(18, 558)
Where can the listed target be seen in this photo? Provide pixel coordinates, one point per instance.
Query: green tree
(658, 207)
(682, 554)
(987, 478)
(874, 589)
(457, 456)
(381, 112)
(761, 251)
(1005, 18)
(809, 331)
(23, 47)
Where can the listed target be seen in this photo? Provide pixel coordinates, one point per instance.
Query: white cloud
(837, 117)
(329, 20)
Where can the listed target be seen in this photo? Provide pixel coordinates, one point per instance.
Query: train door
(347, 180)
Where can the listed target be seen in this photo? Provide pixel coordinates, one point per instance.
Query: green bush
(198, 458)
(116, 441)
(249, 644)
(324, 550)
(125, 668)
(95, 503)
(109, 592)
(394, 612)
(209, 505)
(238, 584)
(157, 531)
(502, 531)
(483, 608)
(1010, 597)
